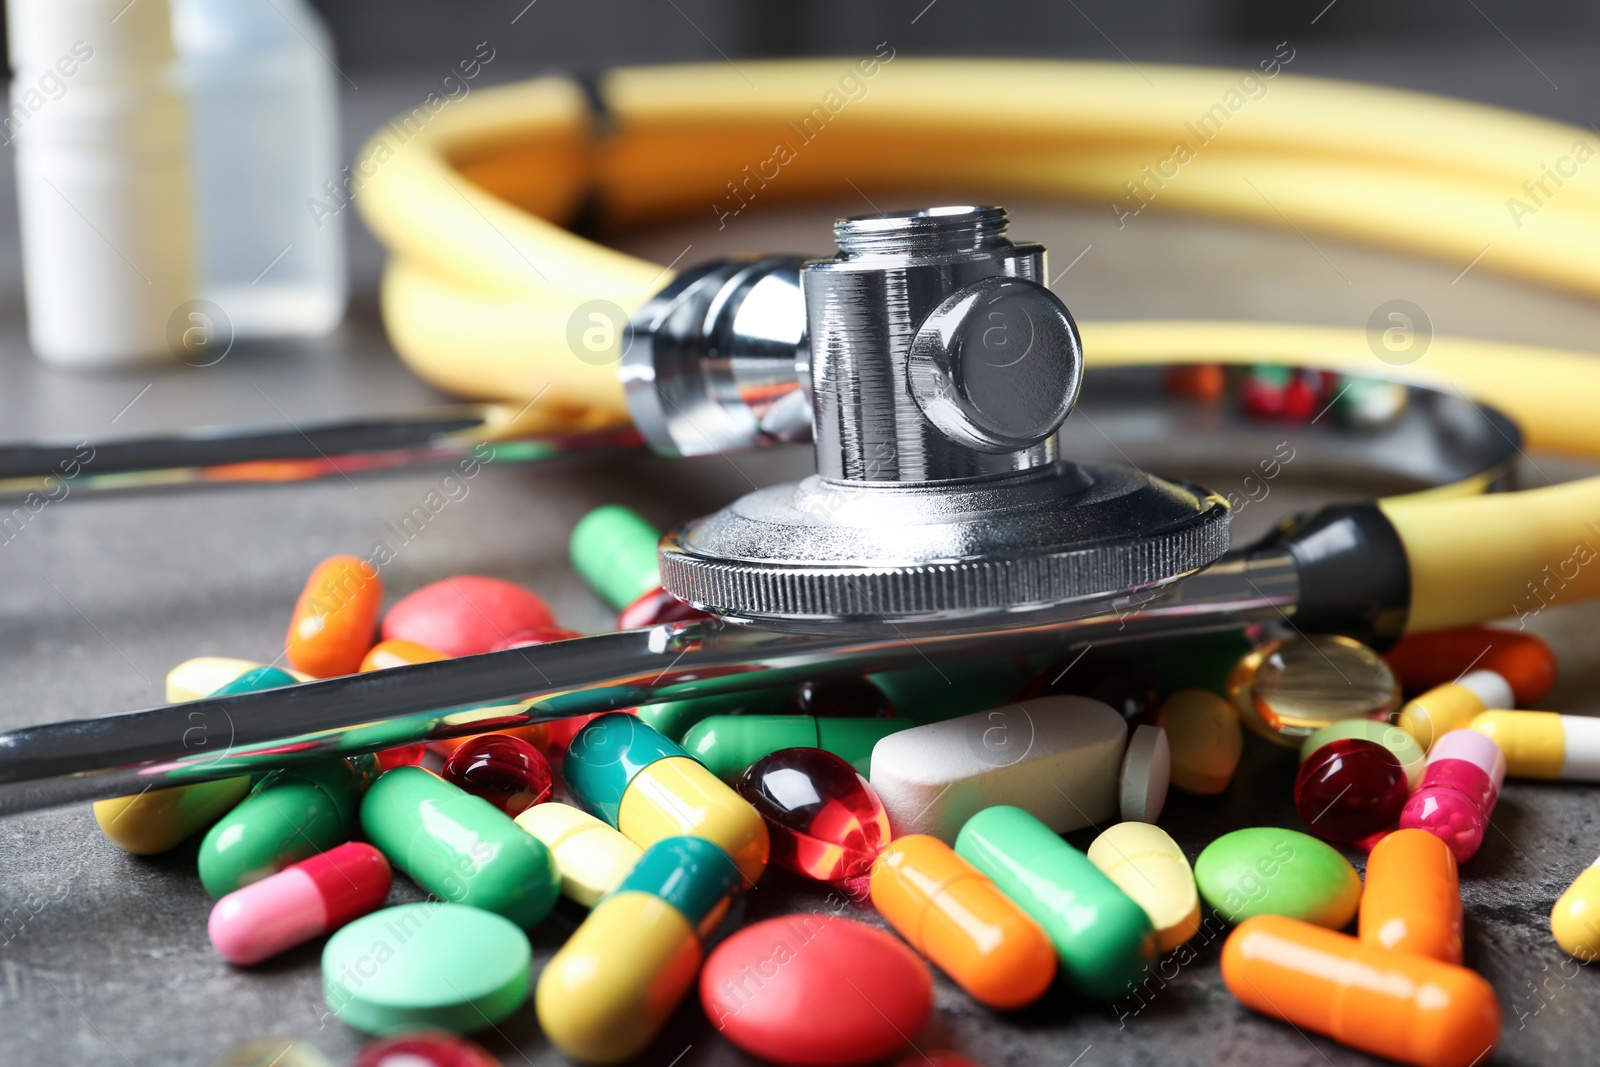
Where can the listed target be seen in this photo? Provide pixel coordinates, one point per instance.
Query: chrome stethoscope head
(933, 369)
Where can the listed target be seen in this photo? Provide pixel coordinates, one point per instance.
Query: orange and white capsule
(1393, 1004)
(955, 916)
(1412, 900)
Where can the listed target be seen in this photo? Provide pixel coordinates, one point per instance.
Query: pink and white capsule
(1458, 791)
(304, 900)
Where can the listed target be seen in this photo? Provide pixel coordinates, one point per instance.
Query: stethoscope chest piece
(940, 370)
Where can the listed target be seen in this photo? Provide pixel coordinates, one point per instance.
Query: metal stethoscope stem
(934, 373)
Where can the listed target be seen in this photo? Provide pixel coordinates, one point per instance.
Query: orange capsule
(335, 617)
(386, 654)
(956, 917)
(1426, 661)
(1412, 901)
(1393, 1004)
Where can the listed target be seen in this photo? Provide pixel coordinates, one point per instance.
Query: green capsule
(953, 688)
(614, 549)
(727, 744)
(290, 815)
(1104, 938)
(459, 847)
(674, 718)
(1193, 661)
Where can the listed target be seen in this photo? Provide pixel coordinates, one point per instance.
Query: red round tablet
(465, 615)
(816, 990)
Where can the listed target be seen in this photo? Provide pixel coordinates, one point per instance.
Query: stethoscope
(950, 517)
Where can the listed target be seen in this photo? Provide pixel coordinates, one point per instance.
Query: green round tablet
(1267, 870)
(447, 966)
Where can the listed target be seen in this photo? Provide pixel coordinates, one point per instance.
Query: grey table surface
(103, 956)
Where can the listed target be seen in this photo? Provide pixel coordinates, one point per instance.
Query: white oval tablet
(1146, 770)
(1058, 758)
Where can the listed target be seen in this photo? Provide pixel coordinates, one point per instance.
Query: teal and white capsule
(603, 998)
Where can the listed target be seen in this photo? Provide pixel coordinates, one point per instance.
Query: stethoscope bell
(939, 370)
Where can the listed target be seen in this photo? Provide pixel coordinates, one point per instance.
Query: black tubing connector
(1354, 576)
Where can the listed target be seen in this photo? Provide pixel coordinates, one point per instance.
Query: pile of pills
(940, 806)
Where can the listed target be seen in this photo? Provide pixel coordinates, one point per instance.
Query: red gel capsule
(656, 607)
(823, 819)
(839, 698)
(425, 1049)
(1350, 789)
(504, 770)
(304, 900)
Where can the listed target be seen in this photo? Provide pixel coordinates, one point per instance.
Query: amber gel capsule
(1393, 1004)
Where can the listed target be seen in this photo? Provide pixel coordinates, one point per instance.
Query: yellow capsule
(1544, 744)
(606, 994)
(204, 675)
(1148, 865)
(677, 795)
(1451, 706)
(1575, 920)
(160, 819)
(592, 858)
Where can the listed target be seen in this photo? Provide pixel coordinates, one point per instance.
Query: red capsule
(425, 1049)
(656, 607)
(1349, 789)
(404, 756)
(1299, 399)
(304, 900)
(1425, 661)
(823, 819)
(504, 770)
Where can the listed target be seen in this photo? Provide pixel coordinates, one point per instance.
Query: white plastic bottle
(102, 187)
(263, 101)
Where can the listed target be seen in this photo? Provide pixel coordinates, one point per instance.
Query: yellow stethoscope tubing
(481, 290)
